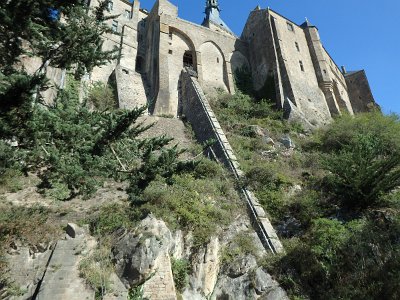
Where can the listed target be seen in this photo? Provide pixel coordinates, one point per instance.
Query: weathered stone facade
(288, 62)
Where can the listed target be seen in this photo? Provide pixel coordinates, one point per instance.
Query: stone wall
(168, 38)
(296, 63)
(360, 93)
(161, 285)
(262, 55)
(56, 76)
(206, 127)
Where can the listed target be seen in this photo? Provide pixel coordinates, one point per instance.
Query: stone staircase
(206, 127)
(61, 280)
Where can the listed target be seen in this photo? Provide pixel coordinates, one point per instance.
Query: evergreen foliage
(61, 34)
(73, 148)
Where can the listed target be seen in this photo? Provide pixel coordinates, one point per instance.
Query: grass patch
(242, 244)
(97, 267)
(110, 218)
(202, 202)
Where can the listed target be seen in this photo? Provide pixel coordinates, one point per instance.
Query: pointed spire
(212, 4)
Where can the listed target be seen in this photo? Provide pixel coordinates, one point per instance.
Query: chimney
(344, 70)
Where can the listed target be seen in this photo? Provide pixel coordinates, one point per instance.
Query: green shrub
(11, 180)
(207, 168)
(110, 218)
(102, 97)
(180, 272)
(199, 205)
(361, 172)
(242, 244)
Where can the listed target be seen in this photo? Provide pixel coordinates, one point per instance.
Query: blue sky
(359, 34)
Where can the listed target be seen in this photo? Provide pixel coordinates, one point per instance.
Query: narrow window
(297, 46)
(128, 14)
(114, 26)
(170, 51)
(217, 60)
(290, 26)
(188, 59)
(301, 65)
(110, 6)
(170, 35)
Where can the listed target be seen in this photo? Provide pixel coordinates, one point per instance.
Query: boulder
(287, 142)
(135, 254)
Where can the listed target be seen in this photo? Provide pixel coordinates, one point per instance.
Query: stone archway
(214, 73)
(181, 54)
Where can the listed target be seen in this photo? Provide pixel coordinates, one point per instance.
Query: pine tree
(73, 149)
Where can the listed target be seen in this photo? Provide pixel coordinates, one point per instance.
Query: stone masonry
(161, 285)
(288, 62)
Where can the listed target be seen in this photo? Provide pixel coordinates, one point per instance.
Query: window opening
(301, 65)
(188, 59)
(290, 26)
(114, 26)
(297, 46)
(128, 14)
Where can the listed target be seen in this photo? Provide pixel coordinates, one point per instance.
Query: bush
(10, 180)
(102, 96)
(110, 218)
(199, 205)
(242, 244)
(364, 161)
(180, 272)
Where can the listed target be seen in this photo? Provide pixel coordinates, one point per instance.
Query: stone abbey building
(288, 62)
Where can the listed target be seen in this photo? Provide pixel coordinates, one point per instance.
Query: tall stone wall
(262, 56)
(297, 63)
(126, 37)
(360, 92)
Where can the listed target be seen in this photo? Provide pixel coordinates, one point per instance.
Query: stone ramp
(62, 281)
